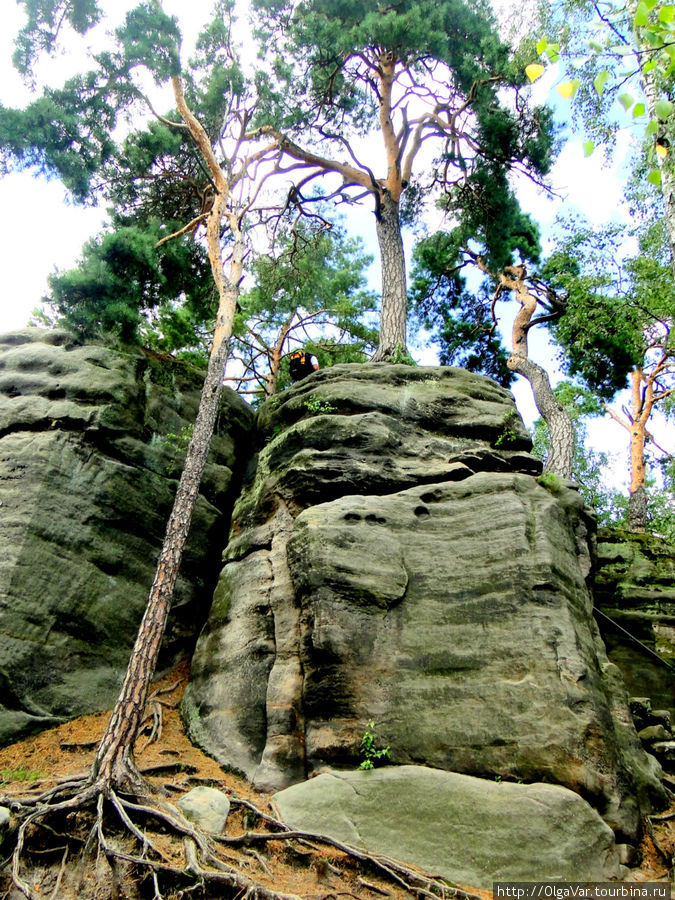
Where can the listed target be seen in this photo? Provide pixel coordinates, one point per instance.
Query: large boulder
(467, 830)
(394, 558)
(91, 445)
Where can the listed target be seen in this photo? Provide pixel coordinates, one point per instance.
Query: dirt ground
(171, 762)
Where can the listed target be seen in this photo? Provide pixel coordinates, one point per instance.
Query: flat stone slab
(468, 830)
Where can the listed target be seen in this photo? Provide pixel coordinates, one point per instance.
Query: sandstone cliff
(634, 584)
(89, 452)
(394, 558)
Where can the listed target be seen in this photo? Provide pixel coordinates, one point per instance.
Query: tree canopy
(310, 292)
(619, 61)
(618, 331)
(428, 78)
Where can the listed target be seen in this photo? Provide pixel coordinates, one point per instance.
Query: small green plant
(510, 432)
(400, 356)
(276, 431)
(551, 482)
(369, 752)
(319, 406)
(9, 775)
(175, 444)
(178, 442)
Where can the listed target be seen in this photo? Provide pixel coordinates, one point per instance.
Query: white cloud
(38, 232)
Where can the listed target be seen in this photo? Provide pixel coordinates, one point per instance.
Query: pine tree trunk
(276, 355)
(637, 499)
(637, 510)
(114, 761)
(635, 423)
(394, 293)
(558, 422)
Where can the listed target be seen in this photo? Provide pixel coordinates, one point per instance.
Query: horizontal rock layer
(634, 586)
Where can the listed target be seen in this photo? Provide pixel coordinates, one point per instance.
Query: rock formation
(394, 558)
(468, 830)
(634, 584)
(90, 444)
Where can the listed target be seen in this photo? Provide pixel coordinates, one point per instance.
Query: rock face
(634, 584)
(468, 830)
(393, 558)
(89, 453)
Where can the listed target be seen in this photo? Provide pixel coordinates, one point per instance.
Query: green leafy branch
(647, 35)
(370, 753)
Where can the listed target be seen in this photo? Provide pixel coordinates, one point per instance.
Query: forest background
(588, 185)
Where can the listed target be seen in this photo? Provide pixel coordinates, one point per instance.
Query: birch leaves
(620, 62)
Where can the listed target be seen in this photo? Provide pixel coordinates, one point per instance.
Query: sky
(40, 232)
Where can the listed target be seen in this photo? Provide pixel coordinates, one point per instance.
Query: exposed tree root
(415, 881)
(153, 713)
(118, 836)
(666, 857)
(149, 858)
(140, 845)
(665, 818)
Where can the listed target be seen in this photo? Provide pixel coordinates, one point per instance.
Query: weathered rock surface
(5, 819)
(206, 807)
(665, 751)
(468, 830)
(393, 559)
(634, 584)
(89, 454)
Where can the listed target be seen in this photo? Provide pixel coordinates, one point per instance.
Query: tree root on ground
(105, 844)
(153, 713)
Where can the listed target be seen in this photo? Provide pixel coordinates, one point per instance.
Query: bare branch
(181, 231)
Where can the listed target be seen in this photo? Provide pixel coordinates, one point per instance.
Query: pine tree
(425, 79)
(70, 133)
(439, 262)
